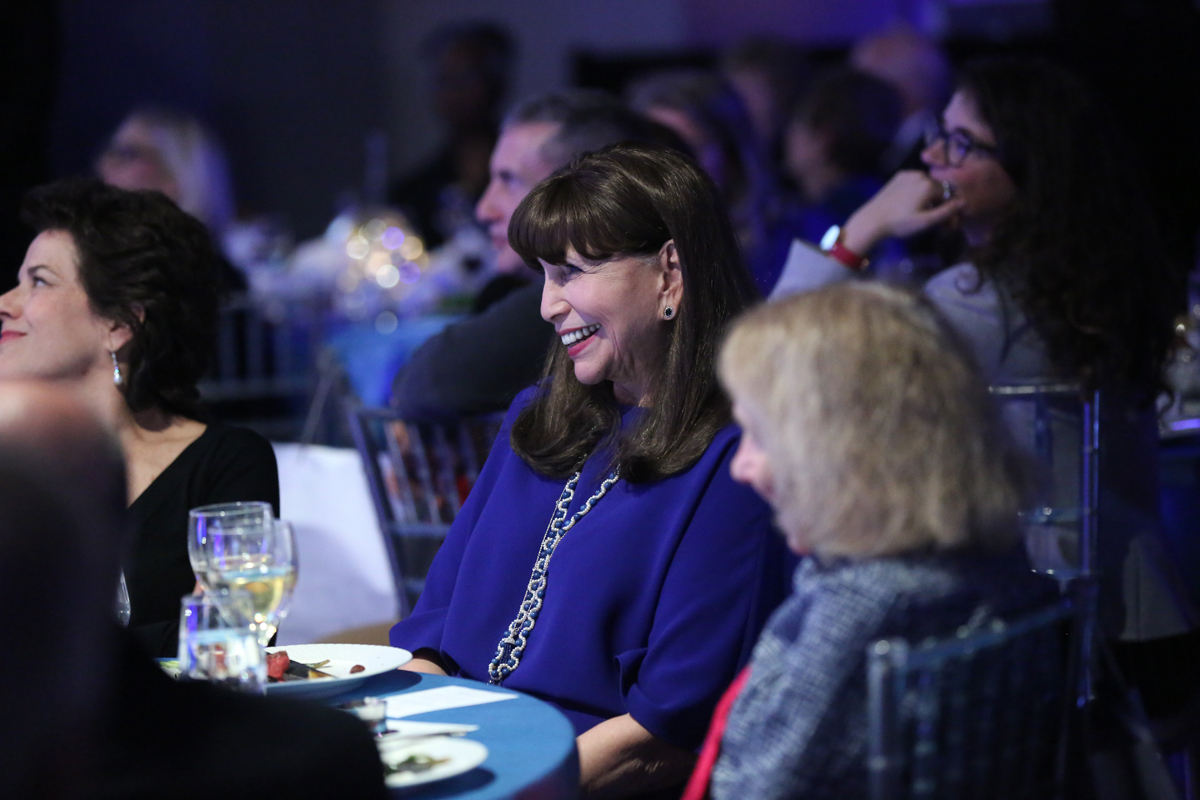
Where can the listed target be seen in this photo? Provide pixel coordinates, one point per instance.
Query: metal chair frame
(917, 700)
(260, 356)
(1084, 587)
(408, 514)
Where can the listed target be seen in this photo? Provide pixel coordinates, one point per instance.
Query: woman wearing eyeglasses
(1065, 280)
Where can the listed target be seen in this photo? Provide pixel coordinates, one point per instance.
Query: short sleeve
(423, 628)
(726, 576)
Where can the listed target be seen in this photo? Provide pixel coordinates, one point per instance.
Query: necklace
(512, 646)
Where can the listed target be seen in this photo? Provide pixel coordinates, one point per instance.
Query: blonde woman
(869, 431)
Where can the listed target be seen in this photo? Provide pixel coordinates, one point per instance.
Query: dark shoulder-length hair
(629, 200)
(1079, 251)
(144, 263)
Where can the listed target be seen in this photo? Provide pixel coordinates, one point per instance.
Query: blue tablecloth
(372, 358)
(531, 746)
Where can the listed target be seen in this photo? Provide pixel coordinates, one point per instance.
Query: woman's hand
(619, 757)
(909, 203)
(427, 661)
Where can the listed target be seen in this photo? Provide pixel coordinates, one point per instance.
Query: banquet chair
(1066, 512)
(264, 368)
(980, 714)
(419, 474)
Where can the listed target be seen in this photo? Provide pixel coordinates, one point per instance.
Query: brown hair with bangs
(629, 200)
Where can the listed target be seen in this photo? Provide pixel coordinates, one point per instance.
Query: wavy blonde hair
(878, 427)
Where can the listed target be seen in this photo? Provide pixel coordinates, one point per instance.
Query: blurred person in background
(710, 118)
(920, 71)
(117, 296)
(870, 431)
(770, 76)
(471, 64)
(168, 151)
(1066, 280)
(834, 143)
(479, 365)
(98, 719)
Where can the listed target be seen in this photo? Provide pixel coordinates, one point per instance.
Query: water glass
(218, 642)
(222, 518)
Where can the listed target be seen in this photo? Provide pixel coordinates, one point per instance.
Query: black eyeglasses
(957, 145)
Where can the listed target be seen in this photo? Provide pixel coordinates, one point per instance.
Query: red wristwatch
(831, 245)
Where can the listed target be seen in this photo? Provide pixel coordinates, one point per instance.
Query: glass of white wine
(258, 560)
(222, 518)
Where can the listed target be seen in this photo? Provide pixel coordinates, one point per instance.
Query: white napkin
(404, 730)
(409, 703)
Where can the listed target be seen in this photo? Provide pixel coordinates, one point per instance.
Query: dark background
(295, 87)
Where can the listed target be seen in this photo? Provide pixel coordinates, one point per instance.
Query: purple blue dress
(654, 599)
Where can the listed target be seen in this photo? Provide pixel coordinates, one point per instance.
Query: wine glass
(285, 554)
(258, 560)
(221, 517)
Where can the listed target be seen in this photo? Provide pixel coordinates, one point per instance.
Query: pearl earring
(668, 312)
(117, 379)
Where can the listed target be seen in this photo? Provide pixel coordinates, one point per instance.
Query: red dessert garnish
(277, 664)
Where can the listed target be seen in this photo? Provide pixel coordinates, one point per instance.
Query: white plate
(460, 755)
(342, 658)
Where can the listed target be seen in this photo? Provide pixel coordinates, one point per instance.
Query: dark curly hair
(144, 263)
(1079, 251)
(629, 200)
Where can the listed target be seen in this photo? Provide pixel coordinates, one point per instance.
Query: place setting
(246, 568)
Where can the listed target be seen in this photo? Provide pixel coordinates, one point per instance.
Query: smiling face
(611, 316)
(47, 326)
(987, 191)
(515, 168)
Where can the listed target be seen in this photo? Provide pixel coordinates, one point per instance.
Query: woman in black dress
(118, 297)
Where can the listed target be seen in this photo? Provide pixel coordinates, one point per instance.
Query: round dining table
(531, 745)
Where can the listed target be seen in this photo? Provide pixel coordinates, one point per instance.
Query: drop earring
(117, 379)
(668, 312)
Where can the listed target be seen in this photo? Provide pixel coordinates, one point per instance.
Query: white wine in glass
(234, 518)
(260, 562)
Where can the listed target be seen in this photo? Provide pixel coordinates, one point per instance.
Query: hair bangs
(572, 211)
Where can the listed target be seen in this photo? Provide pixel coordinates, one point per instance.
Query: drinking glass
(123, 608)
(285, 554)
(218, 518)
(218, 642)
(258, 560)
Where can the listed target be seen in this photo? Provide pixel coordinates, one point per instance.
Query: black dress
(223, 465)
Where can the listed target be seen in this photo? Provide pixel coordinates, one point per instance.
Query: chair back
(419, 474)
(264, 370)
(1042, 416)
(980, 714)
(1060, 425)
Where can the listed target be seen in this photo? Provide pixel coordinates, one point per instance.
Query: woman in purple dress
(616, 467)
